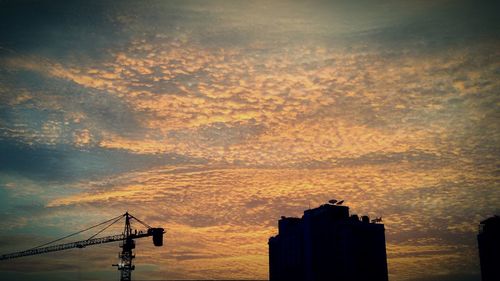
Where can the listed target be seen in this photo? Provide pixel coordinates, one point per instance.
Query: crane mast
(125, 266)
(126, 256)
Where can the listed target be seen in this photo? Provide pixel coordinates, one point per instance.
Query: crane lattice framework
(125, 266)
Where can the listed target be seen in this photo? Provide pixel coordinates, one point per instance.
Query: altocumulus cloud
(213, 119)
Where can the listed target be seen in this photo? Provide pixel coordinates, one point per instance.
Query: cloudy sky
(214, 118)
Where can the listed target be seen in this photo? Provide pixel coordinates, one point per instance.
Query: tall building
(489, 248)
(327, 244)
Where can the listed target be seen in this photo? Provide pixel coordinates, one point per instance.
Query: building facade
(327, 244)
(489, 248)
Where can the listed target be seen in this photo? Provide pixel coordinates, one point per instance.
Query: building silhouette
(327, 244)
(489, 248)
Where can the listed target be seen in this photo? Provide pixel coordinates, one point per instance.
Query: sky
(214, 118)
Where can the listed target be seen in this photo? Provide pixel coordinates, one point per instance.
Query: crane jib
(82, 244)
(78, 244)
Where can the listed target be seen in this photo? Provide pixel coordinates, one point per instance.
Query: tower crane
(125, 266)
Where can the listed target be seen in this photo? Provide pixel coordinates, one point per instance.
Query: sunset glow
(214, 118)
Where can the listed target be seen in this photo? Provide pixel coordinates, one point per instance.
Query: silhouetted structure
(327, 244)
(489, 248)
(126, 238)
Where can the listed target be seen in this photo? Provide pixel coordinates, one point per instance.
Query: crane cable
(105, 228)
(115, 218)
(141, 222)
